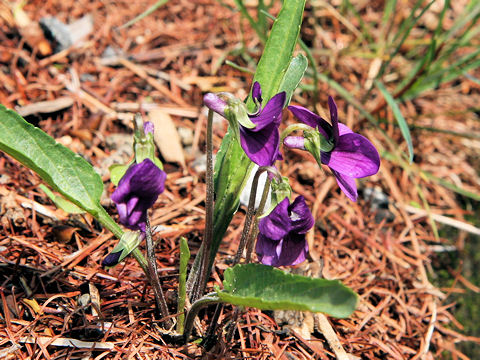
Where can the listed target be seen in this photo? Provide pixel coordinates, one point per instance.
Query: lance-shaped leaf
(268, 288)
(278, 51)
(294, 75)
(66, 172)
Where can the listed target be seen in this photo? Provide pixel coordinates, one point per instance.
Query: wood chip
(45, 107)
(166, 137)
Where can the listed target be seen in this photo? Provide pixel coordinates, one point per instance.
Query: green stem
(198, 305)
(292, 128)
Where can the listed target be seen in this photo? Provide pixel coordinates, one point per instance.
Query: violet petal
(295, 142)
(354, 155)
(311, 119)
(266, 250)
(271, 113)
(257, 92)
(300, 216)
(277, 224)
(333, 118)
(148, 127)
(215, 103)
(112, 259)
(262, 146)
(343, 129)
(294, 250)
(347, 185)
(137, 191)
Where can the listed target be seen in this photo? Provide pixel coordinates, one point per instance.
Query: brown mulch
(52, 286)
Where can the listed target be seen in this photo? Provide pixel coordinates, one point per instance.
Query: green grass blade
(147, 12)
(398, 116)
(182, 280)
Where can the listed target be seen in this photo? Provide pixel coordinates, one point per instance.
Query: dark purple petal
(137, 191)
(276, 224)
(112, 259)
(333, 118)
(262, 146)
(270, 114)
(257, 92)
(347, 185)
(354, 155)
(266, 250)
(215, 103)
(311, 119)
(300, 216)
(148, 127)
(292, 250)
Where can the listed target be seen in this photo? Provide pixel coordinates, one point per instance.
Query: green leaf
(61, 202)
(278, 51)
(62, 169)
(398, 116)
(294, 75)
(116, 172)
(267, 288)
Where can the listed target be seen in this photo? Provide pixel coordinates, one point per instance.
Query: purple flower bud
(281, 240)
(137, 191)
(112, 259)
(352, 156)
(215, 103)
(148, 128)
(295, 142)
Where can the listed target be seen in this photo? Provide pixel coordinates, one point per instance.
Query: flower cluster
(281, 240)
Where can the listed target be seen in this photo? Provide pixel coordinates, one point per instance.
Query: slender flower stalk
(153, 276)
(207, 240)
(251, 207)
(254, 230)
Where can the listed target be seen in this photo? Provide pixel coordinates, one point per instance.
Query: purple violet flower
(137, 191)
(261, 142)
(281, 240)
(353, 155)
